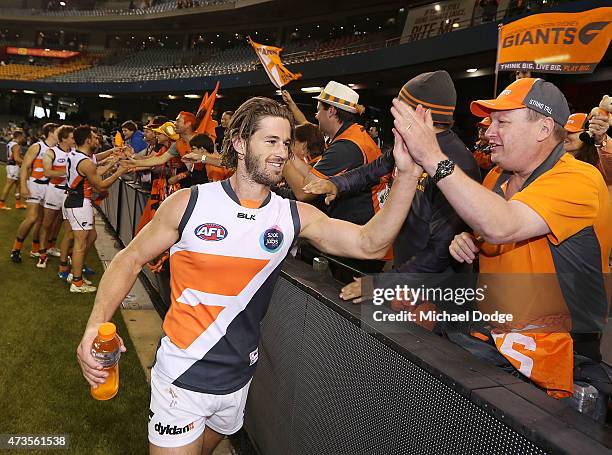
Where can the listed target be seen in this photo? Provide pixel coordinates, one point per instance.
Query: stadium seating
(24, 72)
(161, 6)
(159, 64)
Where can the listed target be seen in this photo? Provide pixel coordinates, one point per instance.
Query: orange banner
(569, 43)
(40, 52)
(269, 56)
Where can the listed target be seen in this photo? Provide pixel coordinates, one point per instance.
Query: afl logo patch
(211, 232)
(61, 160)
(271, 240)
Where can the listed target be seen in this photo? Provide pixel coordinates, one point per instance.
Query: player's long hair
(245, 122)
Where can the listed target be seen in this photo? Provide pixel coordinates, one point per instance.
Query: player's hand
(416, 129)
(352, 291)
(403, 161)
(25, 193)
(463, 248)
(92, 369)
(322, 186)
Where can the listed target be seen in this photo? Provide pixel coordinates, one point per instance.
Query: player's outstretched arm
(372, 240)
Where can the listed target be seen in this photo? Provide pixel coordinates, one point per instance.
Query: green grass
(42, 390)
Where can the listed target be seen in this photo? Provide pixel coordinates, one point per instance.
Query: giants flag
(271, 61)
(564, 43)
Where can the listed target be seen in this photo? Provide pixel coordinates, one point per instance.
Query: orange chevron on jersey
(194, 274)
(38, 171)
(211, 273)
(545, 358)
(184, 323)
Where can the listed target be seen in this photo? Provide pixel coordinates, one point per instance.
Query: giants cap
(576, 123)
(485, 122)
(530, 93)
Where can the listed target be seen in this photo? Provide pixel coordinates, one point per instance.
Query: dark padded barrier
(326, 384)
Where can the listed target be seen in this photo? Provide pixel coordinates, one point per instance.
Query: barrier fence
(329, 383)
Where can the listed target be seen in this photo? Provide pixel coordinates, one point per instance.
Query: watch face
(445, 168)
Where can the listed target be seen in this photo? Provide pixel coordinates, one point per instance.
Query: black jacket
(422, 243)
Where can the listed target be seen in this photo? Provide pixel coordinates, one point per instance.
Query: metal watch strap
(444, 169)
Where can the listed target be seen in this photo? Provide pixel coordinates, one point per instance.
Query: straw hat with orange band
(341, 96)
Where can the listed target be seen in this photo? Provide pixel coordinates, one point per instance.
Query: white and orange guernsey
(60, 161)
(223, 271)
(80, 191)
(38, 171)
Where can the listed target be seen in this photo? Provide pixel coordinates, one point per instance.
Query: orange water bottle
(106, 349)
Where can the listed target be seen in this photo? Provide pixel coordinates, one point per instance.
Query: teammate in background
(78, 208)
(33, 189)
(13, 163)
(108, 159)
(228, 241)
(54, 165)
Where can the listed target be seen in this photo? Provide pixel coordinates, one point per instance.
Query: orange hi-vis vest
(60, 160)
(38, 172)
(358, 136)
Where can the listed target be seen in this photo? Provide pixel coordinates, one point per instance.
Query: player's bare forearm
(114, 286)
(156, 237)
(295, 180)
(380, 232)
(51, 173)
(370, 241)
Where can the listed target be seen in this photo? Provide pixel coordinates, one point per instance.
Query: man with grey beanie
(422, 244)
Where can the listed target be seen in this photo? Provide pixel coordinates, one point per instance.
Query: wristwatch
(444, 169)
(602, 145)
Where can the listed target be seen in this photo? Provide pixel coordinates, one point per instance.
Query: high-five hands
(416, 129)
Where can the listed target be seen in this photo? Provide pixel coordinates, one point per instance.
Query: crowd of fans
(531, 196)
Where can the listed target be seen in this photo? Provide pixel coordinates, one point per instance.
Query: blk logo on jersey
(246, 216)
(271, 240)
(211, 232)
